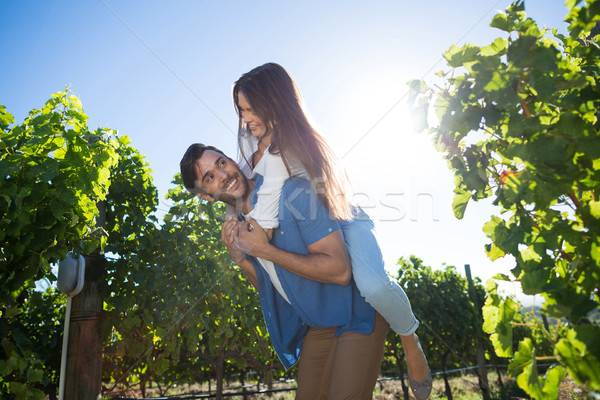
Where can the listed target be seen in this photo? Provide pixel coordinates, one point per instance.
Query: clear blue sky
(162, 72)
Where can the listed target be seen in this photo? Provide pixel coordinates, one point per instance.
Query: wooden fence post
(484, 383)
(84, 354)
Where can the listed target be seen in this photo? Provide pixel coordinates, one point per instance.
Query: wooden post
(84, 353)
(270, 379)
(545, 321)
(484, 383)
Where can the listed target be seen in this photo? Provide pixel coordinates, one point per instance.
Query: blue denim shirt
(304, 220)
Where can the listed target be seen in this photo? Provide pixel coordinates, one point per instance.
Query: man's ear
(207, 197)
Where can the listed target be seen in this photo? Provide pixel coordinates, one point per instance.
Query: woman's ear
(207, 197)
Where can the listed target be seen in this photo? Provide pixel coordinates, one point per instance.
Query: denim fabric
(375, 285)
(303, 221)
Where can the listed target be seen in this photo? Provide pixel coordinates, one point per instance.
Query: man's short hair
(187, 165)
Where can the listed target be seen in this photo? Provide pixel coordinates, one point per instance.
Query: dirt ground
(464, 387)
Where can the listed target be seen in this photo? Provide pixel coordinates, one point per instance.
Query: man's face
(221, 178)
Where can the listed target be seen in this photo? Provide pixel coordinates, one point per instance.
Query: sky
(162, 73)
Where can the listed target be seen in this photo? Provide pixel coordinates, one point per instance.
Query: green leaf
(498, 315)
(458, 56)
(76, 102)
(523, 358)
(533, 282)
(552, 380)
(494, 252)
(522, 51)
(35, 375)
(496, 230)
(459, 204)
(595, 251)
(546, 58)
(18, 388)
(529, 254)
(570, 123)
(524, 364)
(502, 337)
(500, 81)
(541, 388)
(579, 351)
(497, 48)
(595, 208)
(124, 140)
(501, 22)
(6, 119)
(5, 368)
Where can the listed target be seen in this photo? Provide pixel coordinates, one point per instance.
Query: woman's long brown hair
(276, 100)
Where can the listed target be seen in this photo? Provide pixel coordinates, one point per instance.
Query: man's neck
(245, 203)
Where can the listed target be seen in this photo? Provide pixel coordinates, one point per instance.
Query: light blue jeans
(375, 285)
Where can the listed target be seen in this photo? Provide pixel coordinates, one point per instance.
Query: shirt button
(330, 229)
(281, 232)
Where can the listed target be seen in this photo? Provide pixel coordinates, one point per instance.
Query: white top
(274, 173)
(269, 268)
(266, 209)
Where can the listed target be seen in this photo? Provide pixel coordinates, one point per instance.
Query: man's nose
(222, 175)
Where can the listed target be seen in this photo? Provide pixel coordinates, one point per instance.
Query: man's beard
(235, 201)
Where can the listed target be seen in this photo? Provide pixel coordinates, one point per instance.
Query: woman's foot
(418, 370)
(421, 389)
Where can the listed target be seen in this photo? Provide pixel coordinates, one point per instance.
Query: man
(311, 306)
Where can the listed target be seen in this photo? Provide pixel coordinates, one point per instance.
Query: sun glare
(398, 177)
(371, 129)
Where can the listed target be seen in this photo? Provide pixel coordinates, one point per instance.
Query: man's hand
(230, 212)
(252, 239)
(229, 233)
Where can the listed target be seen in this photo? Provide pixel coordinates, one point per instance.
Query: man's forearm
(318, 267)
(327, 260)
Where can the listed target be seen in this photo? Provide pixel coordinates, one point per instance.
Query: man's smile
(233, 184)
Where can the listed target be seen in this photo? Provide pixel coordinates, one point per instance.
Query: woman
(277, 141)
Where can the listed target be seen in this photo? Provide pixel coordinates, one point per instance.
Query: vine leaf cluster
(174, 304)
(517, 121)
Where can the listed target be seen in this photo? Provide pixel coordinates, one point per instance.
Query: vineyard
(165, 307)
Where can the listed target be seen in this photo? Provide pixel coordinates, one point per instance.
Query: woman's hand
(229, 233)
(252, 239)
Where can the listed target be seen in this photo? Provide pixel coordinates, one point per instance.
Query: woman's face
(253, 123)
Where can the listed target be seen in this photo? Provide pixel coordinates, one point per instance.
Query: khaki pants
(345, 367)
